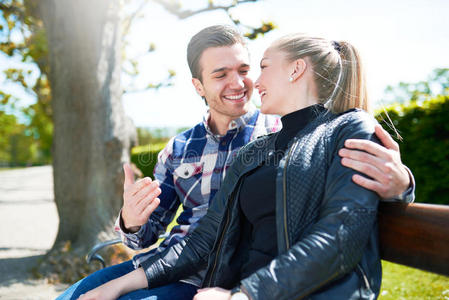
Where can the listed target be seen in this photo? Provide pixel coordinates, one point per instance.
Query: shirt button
(217, 171)
(223, 143)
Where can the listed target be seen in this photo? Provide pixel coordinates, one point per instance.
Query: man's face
(225, 82)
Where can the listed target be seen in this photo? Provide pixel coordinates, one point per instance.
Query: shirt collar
(239, 123)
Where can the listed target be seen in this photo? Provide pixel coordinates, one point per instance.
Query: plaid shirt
(190, 170)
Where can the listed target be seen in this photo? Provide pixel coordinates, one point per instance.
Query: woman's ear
(198, 86)
(299, 67)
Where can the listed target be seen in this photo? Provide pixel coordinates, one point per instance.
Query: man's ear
(299, 67)
(198, 86)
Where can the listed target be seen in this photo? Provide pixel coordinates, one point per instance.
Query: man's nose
(237, 81)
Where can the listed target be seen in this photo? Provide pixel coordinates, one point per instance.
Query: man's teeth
(235, 97)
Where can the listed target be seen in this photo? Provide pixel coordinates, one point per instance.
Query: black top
(257, 195)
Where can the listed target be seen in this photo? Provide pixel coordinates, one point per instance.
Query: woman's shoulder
(353, 123)
(354, 117)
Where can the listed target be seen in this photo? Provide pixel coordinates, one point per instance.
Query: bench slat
(416, 235)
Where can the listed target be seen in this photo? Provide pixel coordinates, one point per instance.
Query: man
(192, 166)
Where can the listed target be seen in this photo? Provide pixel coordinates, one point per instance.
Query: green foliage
(145, 157)
(264, 28)
(401, 282)
(8, 126)
(424, 128)
(23, 21)
(436, 84)
(157, 135)
(18, 147)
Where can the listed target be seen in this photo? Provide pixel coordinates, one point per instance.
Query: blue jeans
(178, 290)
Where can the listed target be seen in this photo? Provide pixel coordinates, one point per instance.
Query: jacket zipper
(284, 185)
(364, 277)
(219, 244)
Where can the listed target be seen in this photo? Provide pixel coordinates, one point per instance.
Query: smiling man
(224, 84)
(191, 167)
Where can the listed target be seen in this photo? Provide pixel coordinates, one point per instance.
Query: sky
(401, 40)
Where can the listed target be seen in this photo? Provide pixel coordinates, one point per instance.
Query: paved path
(28, 227)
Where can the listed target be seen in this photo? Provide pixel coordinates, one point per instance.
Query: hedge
(145, 157)
(424, 128)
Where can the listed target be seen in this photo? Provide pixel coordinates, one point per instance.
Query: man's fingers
(140, 184)
(150, 208)
(129, 175)
(143, 203)
(368, 146)
(145, 191)
(369, 184)
(366, 169)
(386, 138)
(361, 156)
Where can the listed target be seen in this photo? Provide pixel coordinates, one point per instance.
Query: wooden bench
(415, 235)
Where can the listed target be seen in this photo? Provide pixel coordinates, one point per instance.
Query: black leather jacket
(326, 224)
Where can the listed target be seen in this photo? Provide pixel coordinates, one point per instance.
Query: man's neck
(219, 124)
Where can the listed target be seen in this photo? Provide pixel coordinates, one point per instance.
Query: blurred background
(88, 85)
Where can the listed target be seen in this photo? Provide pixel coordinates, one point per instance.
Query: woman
(288, 222)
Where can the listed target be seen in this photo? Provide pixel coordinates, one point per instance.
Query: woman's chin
(267, 110)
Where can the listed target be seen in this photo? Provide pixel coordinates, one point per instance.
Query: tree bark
(92, 136)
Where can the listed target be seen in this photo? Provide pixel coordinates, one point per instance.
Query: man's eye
(244, 72)
(221, 76)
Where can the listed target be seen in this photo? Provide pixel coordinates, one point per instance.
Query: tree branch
(184, 14)
(129, 19)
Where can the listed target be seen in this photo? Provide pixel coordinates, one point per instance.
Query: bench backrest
(416, 235)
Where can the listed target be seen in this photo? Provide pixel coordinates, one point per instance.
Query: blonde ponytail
(339, 75)
(351, 92)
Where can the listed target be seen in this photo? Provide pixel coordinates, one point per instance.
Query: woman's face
(273, 81)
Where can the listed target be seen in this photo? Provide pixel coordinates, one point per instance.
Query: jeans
(178, 290)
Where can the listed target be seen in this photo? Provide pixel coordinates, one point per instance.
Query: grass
(9, 168)
(401, 282)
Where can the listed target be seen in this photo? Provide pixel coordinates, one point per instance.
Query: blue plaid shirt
(190, 170)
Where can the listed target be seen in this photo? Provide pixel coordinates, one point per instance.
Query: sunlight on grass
(173, 223)
(401, 282)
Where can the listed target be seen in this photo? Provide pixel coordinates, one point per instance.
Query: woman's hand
(113, 289)
(214, 293)
(106, 291)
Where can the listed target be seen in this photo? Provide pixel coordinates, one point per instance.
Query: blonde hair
(339, 75)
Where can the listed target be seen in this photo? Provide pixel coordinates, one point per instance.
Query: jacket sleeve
(190, 255)
(334, 244)
(149, 233)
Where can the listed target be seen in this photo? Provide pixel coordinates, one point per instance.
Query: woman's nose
(256, 83)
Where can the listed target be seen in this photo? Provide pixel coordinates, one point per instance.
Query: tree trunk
(92, 136)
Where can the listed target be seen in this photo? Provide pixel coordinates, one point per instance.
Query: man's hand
(139, 199)
(214, 293)
(383, 164)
